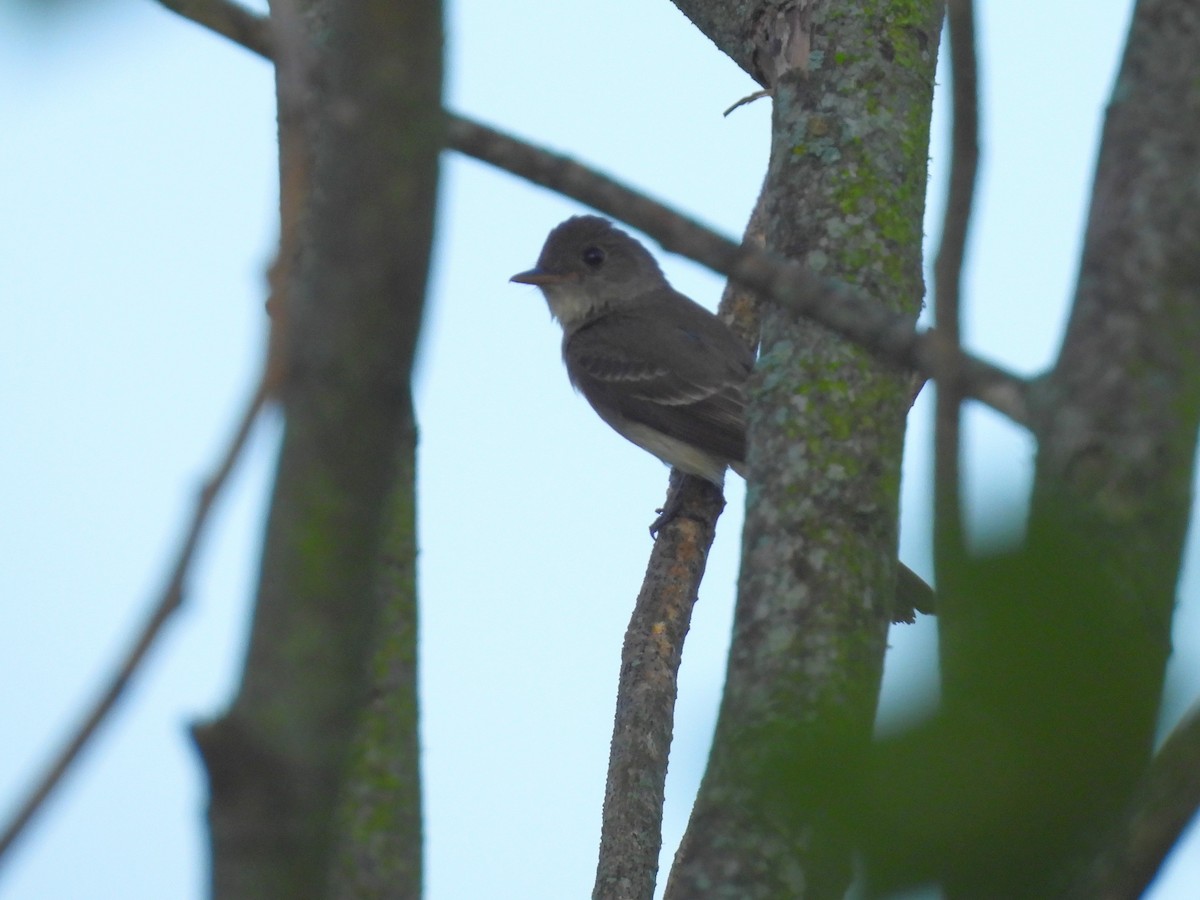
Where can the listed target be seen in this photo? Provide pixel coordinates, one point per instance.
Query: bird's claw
(666, 513)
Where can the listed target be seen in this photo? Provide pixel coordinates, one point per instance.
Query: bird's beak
(539, 277)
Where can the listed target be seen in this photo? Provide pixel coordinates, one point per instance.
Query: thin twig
(169, 601)
(253, 32)
(740, 307)
(964, 164)
(234, 21)
(749, 98)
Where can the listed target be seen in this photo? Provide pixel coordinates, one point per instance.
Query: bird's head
(588, 267)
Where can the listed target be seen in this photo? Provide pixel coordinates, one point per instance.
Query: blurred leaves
(1051, 680)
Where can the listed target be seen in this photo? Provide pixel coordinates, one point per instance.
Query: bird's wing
(672, 366)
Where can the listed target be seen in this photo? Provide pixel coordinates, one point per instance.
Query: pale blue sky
(137, 183)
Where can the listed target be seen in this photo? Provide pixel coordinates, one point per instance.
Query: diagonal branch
(831, 303)
(834, 304)
(251, 31)
(234, 21)
(169, 601)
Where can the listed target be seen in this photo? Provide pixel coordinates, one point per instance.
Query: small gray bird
(659, 368)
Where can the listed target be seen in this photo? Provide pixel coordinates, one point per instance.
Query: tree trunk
(845, 195)
(336, 587)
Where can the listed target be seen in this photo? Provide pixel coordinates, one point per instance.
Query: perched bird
(662, 370)
(659, 368)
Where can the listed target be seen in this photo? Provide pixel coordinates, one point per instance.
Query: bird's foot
(668, 511)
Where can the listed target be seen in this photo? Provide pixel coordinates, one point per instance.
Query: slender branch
(631, 829)
(169, 601)
(234, 21)
(635, 788)
(251, 31)
(1165, 802)
(964, 164)
(831, 303)
(834, 304)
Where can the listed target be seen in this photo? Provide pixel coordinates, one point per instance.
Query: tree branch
(964, 163)
(313, 789)
(251, 31)
(1061, 648)
(829, 302)
(846, 182)
(715, 19)
(169, 601)
(631, 831)
(234, 21)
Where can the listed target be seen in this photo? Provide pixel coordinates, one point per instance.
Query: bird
(659, 368)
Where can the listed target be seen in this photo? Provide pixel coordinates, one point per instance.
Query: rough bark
(1118, 436)
(845, 196)
(631, 833)
(277, 760)
(378, 851)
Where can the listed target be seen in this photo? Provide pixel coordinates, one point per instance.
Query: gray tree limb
(844, 198)
(284, 761)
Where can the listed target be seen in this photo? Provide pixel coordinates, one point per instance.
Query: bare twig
(234, 21)
(748, 99)
(631, 831)
(169, 601)
(294, 89)
(964, 164)
(251, 31)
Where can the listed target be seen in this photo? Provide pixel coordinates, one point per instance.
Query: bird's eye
(593, 257)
